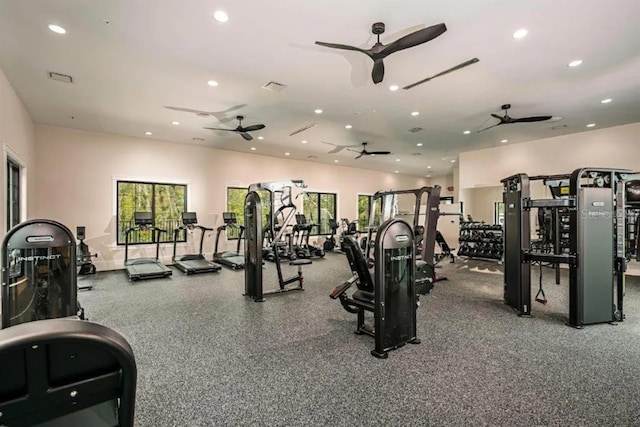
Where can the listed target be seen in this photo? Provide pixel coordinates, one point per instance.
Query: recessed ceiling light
(467, 132)
(287, 154)
(318, 111)
(590, 125)
(253, 148)
(348, 126)
(504, 140)
(148, 133)
(428, 167)
(373, 155)
(261, 137)
(304, 141)
(394, 88)
(453, 161)
(220, 16)
(397, 160)
(336, 161)
(522, 32)
(606, 101)
(212, 83)
(428, 176)
(415, 113)
(575, 63)
(57, 29)
(175, 123)
(397, 171)
(419, 144)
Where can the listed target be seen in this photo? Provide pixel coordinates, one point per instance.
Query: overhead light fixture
(428, 176)
(521, 33)
(57, 29)
(397, 160)
(606, 101)
(317, 111)
(261, 137)
(175, 123)
(348, 126)
(336, 161)
(575, 63)
(415, 113)
(394, 88)
(396, 171)
(212, 83)
(148, 133)
(453, 160)
(287, 154)
(428, 167)
(467, 132)
(419, 144)
(220, 16)
(304, 141)
(590, 125)
(504, 140)
(253, 148)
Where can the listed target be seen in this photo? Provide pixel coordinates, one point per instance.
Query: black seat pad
(358, 264)
(364, 296)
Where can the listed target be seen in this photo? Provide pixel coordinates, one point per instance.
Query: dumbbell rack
(480, 240)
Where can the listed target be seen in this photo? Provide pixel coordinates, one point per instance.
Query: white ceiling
(162, 52)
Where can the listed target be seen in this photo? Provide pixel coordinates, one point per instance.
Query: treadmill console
(143, 218)
(229, 218)
(189, 218)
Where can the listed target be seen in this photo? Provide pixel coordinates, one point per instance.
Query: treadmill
(231, 259)
(145, 268)
(192, 263)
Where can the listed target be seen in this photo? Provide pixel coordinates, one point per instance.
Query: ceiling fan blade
(361, 154)
(501, 118)
(343, 47)
(414, 39)
(531, 119)
(235, 107)
(246, 136)
(492, 126)
(378, 153)
(253, 128)
(377, 74)
(442, 73)
(189, 110)
(230, 130)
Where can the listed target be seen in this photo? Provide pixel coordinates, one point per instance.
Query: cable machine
(595, 199)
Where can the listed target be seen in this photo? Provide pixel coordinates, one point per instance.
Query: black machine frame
(140, 268)
(254, 232)
(233, 260)
(391, 294)
(596, 254)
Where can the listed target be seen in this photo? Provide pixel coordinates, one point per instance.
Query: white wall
(445, 182)
(18, 142)
(77, 172)
(617, 147)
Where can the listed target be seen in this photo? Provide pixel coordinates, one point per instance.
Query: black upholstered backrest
(358, 264)
(67, 371)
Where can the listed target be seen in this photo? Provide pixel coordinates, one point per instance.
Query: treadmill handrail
(155, 232)
(176, 231)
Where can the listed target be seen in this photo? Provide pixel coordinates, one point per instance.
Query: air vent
(60, 77)
(416, 130)
(416, 154)
(559, 127)
(274, 86)
(195, 138)
(302, 129)
(312, 157)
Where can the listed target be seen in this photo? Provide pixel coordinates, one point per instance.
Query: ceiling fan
(364, 152)
(220, 115)
(380, 51)
(506, 119)
(338, 148)
(243, 131)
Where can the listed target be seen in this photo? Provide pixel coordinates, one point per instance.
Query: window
(13, 194)
(364, 208)
(235, 203)
(165, 201)
(319, 208)
(498, 213)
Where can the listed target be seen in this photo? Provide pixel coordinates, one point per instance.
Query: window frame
(118, 181)
(14, 204)
(368, 211)
(496, 212)
(239, 215)
(318, 213)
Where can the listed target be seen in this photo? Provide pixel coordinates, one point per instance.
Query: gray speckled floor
(209, 356)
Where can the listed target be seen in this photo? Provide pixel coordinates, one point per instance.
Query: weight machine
(269, 199)
(596, 200)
